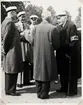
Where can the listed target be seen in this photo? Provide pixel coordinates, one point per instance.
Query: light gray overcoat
(45, 41)
(12, 57)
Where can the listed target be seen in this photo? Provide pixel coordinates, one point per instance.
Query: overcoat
(70, 50)
(45, 41)
(12, 57)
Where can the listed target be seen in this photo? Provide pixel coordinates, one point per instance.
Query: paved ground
(28, 95)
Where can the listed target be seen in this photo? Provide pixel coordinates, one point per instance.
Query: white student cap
(11, 8)
(21, 13)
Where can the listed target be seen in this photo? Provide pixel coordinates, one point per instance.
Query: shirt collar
(64, 23)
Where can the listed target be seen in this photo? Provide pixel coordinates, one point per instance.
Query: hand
(27, 35)
(55, 52)
(22, 33)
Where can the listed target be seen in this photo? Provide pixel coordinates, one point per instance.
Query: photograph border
(81, 102)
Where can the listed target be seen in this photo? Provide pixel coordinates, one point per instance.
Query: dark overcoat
(46, 40)
(12, 57)
(69, 50)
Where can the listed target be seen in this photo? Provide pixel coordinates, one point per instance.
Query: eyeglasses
(33, 18)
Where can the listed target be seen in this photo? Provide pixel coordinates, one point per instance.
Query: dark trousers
(68, 82)
(42, 88)
(10, 82)
(26, 73)
(31, 71)
(68, 86)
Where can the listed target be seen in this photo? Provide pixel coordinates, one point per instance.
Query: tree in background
(78, 18)
(53, 15)
(68, 15)
(51, 9)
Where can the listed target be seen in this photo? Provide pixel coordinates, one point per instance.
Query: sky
(59, 5)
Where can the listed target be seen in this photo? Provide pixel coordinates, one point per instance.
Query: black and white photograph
(41, 52)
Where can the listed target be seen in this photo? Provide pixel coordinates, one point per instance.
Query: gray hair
(46, 14)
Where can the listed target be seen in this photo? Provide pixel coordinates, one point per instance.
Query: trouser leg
(38, 87)
(42, 89)
(64, 83)
(72, 87)
(10, 82)
(45, 87)
(26, 73)
(31, 71)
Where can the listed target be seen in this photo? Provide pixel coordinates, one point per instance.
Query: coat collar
(44, 21)
(8, 18)
(65, 25)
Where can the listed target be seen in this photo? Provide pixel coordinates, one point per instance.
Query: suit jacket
(12, 57)
(46, 40)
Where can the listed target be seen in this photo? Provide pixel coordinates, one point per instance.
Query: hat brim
(11, 10)
(62, 15)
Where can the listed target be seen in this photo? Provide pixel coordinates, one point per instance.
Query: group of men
(49, 50)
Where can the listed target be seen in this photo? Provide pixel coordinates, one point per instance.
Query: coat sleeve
(55, 39)
(73, 36)
(8, 37)
(33, 32)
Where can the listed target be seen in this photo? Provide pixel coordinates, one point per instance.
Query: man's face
(22, 18)
(13, 13)
(62, 19)
(33, 20)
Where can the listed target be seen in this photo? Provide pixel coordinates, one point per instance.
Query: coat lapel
(65, 26)
(44, 22)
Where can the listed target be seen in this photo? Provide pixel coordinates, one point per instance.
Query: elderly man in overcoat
(12, 55)
(68, 55)
(45, 41)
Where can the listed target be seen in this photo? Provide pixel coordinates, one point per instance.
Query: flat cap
(63, 13)
(11, 8)
(21, 13)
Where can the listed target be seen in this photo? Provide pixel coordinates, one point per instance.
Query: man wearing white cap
(68, 55)
(33, 20)
(12, 55)
(22, 28)
(45, 41)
